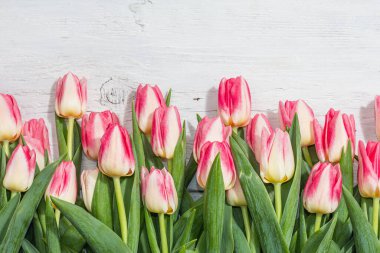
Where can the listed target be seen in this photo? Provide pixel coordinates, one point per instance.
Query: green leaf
(3, 190)
(61, 130)
(101, 206)
(38, 234)
(259, 203)
(24, 212)
(191, 169)
(52, 235)
(202, 244)
(134, 207)
(151, 232)
(168, 96)
(77, 160)
(6, 214)
(302, 226)
(28, 247)
(100, 237)
(247, 152)
(150, 158)
(184, 237)
(241, 244)
(187, 247)
(199, 118)
(72, 240)
(346, 166)
(227, 237)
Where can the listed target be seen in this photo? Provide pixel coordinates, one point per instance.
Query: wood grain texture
(326, 52)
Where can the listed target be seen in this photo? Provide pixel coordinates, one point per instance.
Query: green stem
(277, 198)
(121, 209)
(318, 220)
(306, 154)
(70, 137)
(364, 207)
(247, 226)
(235, 129)
(57, 216)
(6, 147)
(164, 241)
(375, 216)
(13, 194)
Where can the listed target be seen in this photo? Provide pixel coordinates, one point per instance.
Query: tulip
(36, 136)
(254, 129)
(10, 118)
(209, 151)
(116, 155)
(305, 119)
(166, 130)
(338, 130)
(71, 96)
(148, 99)
(210, 129)
(234, 102)
(88, 181)
(19, 173)
(94, 126)
(323, 190)
(377, 116)
(235, 195)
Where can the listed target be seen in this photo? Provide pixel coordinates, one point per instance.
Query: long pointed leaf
(6, 214)
(101, 206)
(52, 236)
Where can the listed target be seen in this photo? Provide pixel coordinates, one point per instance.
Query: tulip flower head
(256, 126)
(323, 189)
(377, 116)
(330, 141)
(10, 118)
(234, 102)
(210, 129)
(235, 195)
(158, 191)
(19, 173)
(305, 119)
(369, 169)
(88, 181)
(94, 126)
(148, 99)
(71, 96)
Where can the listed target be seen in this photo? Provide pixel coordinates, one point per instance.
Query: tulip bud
(148, 99)
(209, 151)
(377, 116)
(277, 160)
(254, 130)
(158, 191)
(94, 126)
(116, 155)
(234, 102)
(369, 170)
(10, 118)
(88, 181)
(166, 130)
(235, 196)
(71, 96)
(323, 189)
(210, 129)
(338, 130)
(305, 119)
(19, 173)
(36, 136)
(63, 184)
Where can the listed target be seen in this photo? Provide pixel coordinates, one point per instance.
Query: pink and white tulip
(305, 119)
(209, 151)
(158, 191)
(63, 184)
(234, 102)
(323, 189)
(10, 118)
(148, 99)
(116, 154)
(71, 96)
(210, 129)
(36, 136)
(330, 141)
(369, 169)
(377, 116)
(256, 126)
(88, 181)
(19, 173)
(94, 126)
(277, 159)
(235, 195)
(166, 130)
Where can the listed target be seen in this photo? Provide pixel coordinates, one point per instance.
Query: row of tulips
(265, 189)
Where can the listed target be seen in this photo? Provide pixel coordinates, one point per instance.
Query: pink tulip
(235, 196)
(277, 160)
(209, 151)
(305, 119)
(234, 101)
(116, 155)
(210, 129)
(88, 181)
(369, 169)
(63, 184)
(338, 130)
(71, 96)
(148, 99)
(19, 173)
(323, 188)
(36, 136)
(256, 126)
(166, 130)
(377, 116)
(94, 126)
(10, 118)
(158, 191)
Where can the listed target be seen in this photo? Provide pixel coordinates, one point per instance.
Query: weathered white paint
(326, 52)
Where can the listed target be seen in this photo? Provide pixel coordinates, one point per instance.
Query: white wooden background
(326, 52)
